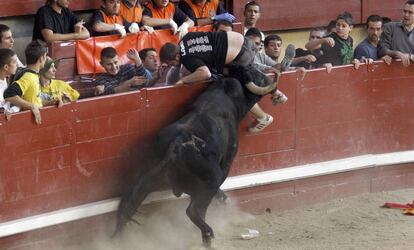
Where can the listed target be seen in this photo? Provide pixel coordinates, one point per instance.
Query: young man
(55, 22)
(251, 16)
(205, 53)
(306, 58)
(107, 20)
(336, 47)
(162, 14)
(8, 67)
(120, 78)
(149, 58)
(24, 91)
(205, 12)
(222, 25)
(7, 40)
(397, 39)
(54, 91)
(367, 49)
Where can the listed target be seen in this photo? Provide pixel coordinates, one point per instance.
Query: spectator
(336, 47)
(149, 58)
(24, 92)
(397, 40)
(205, 12)
(251, 16)
(261, 61)
(54, 91)
(222, 25)
(107, 20)
(306, 58)
(8, 67)
(120, 78)
(7, 40)
(220, 49)
(331, 27)
(162, 14)
(131, 11)
(367, 49)
(273, 47)
(55, 22)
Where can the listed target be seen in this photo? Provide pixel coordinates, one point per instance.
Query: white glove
(149, 29)
(173, 26)
(120, 29)
(183, 29)
(133, 28)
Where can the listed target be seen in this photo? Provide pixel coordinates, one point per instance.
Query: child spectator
(336, 47)
(107, 20)
(8, 67)
(7, 41)
(162, 14)
(54, 91)
(120, 78)
(55, 22)
(24, 91)
(205, 12)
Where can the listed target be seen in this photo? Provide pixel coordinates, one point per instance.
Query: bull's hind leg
(197, 210)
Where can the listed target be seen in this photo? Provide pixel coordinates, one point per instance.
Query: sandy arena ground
(352, 223)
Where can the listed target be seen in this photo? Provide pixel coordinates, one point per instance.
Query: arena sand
(351, 223)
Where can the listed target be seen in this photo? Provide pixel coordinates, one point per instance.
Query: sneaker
(261, 124)
(279, 98)
(288, 58)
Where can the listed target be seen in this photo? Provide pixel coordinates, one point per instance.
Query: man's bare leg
(263, 119)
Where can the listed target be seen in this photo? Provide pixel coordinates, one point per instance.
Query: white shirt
(3, 104)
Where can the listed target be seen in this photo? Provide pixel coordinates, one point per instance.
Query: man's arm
(315, 44)
(50, 36)
(20, 102)
(200, 74)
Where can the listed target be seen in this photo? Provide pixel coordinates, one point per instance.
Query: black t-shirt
(340, 54)
(204, 49)
(47, 18)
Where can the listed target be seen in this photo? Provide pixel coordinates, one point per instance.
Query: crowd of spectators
(31, 86)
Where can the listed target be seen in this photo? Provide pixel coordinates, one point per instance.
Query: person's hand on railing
(149, 29)
(225, 16)
(183, 30)
(133, 28)
(174, 26)
(120, 29)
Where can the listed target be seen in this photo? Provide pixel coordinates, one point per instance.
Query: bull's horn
(257, 90)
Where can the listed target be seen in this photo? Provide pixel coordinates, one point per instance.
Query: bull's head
(261, 84)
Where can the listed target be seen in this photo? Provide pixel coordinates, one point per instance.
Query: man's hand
(99, 90)
(302, 72)
(310, 58)
(148, 28)
(120, 29)
(405, 58)
(79, 26)
(133, 55)
(183, 30)
(133, 28)
(8, 115)
(174, 26)
(137, 81)
(328, 67)
(36, 113)
(387, 59)
(225, 16)
(329, 40)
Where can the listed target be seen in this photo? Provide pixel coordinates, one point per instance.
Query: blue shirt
(367, 50)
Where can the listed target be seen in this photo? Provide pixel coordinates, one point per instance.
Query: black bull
(195, 153)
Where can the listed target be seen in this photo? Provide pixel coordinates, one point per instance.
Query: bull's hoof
(222, 198)
(207, 239)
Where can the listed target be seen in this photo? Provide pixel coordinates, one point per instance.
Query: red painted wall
(83, 151)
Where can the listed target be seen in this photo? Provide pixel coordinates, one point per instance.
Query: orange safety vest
(208, 10)
(112, 19)
(131, 15)
(164, 12)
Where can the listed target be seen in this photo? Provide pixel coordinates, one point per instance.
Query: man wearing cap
(54, 91)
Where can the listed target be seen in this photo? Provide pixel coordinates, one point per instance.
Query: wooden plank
(388, 8)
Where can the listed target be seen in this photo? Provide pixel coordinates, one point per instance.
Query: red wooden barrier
(82, 152)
